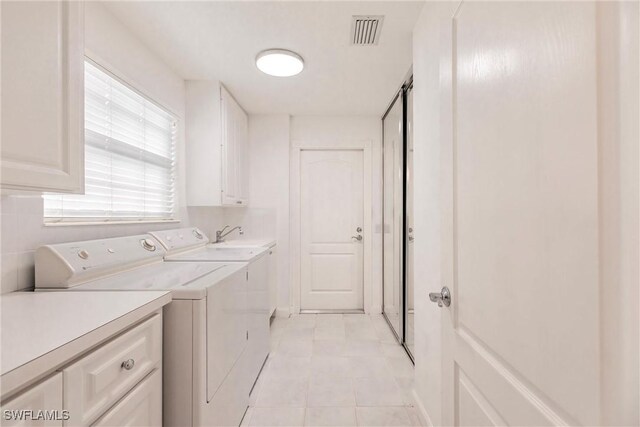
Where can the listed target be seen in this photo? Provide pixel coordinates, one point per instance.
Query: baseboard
(425, 420)
(282, 312)
(331, 311)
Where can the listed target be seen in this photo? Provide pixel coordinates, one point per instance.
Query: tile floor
(333, 370)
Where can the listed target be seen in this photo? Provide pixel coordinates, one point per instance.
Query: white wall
(342, 130)
(109, 43)
(426, 160)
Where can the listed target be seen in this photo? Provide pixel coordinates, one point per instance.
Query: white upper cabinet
(217, 147)
(42, 96)
(235, 153)
(242, 171)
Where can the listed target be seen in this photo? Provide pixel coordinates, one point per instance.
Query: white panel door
(521, 337)
(331, 211)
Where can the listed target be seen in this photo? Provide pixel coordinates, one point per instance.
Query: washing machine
(188, 245)
(205, 333)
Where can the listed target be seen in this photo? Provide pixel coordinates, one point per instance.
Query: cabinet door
(235, 151)
(96, 381)
(226, 328)
(229, 148)
(203, 131)
(42, 96)
(273, 280)
(141, 407)
(46, 396)
(242, 171)
(258, 314)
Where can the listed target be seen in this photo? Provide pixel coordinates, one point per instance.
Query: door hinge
(247, 335)
(247, 275)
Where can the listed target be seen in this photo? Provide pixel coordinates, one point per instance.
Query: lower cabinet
(96, 381)
(259, 314)
(226, 328)
(117, 383)
(273, 280)
(45, 396)
(141, 407)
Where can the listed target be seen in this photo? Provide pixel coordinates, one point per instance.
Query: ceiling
(209, 40)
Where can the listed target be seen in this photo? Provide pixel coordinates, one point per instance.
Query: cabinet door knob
(128, 364)
(239, 202)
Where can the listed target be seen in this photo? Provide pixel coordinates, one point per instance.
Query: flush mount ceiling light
(279, 62)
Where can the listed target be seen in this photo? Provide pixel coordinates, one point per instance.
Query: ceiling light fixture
(279, 62)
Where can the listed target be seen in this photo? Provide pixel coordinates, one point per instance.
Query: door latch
(442, 298)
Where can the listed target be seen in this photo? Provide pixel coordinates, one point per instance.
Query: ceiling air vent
(365, 29)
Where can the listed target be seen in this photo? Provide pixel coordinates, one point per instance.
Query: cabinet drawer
(46, 396)
(141, 407)
(95, 382)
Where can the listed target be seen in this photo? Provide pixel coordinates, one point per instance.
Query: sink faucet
(220, 234)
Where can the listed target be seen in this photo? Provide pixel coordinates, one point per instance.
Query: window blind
(130, 157)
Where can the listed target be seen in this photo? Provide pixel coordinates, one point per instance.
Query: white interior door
(521, 337)
(331, 212)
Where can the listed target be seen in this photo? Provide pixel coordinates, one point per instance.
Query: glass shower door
(398, 215)
(393, 218)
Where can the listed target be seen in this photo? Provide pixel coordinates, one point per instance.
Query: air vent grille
(365, 29)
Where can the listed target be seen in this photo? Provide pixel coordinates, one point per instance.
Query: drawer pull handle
(128, 364)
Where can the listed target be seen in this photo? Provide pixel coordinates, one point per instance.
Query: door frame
(295, 218)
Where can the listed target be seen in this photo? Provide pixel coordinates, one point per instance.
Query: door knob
(128, 364)
(442, 297)
(358, 237)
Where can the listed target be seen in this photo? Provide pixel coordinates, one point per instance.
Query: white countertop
(42, 330)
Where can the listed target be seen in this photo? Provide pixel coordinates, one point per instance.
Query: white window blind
(129, 157)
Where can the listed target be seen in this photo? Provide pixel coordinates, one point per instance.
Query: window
(129, 157)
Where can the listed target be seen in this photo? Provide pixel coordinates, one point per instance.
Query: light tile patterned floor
(333, 370)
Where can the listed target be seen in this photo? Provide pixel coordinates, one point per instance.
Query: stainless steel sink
(221, 253)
